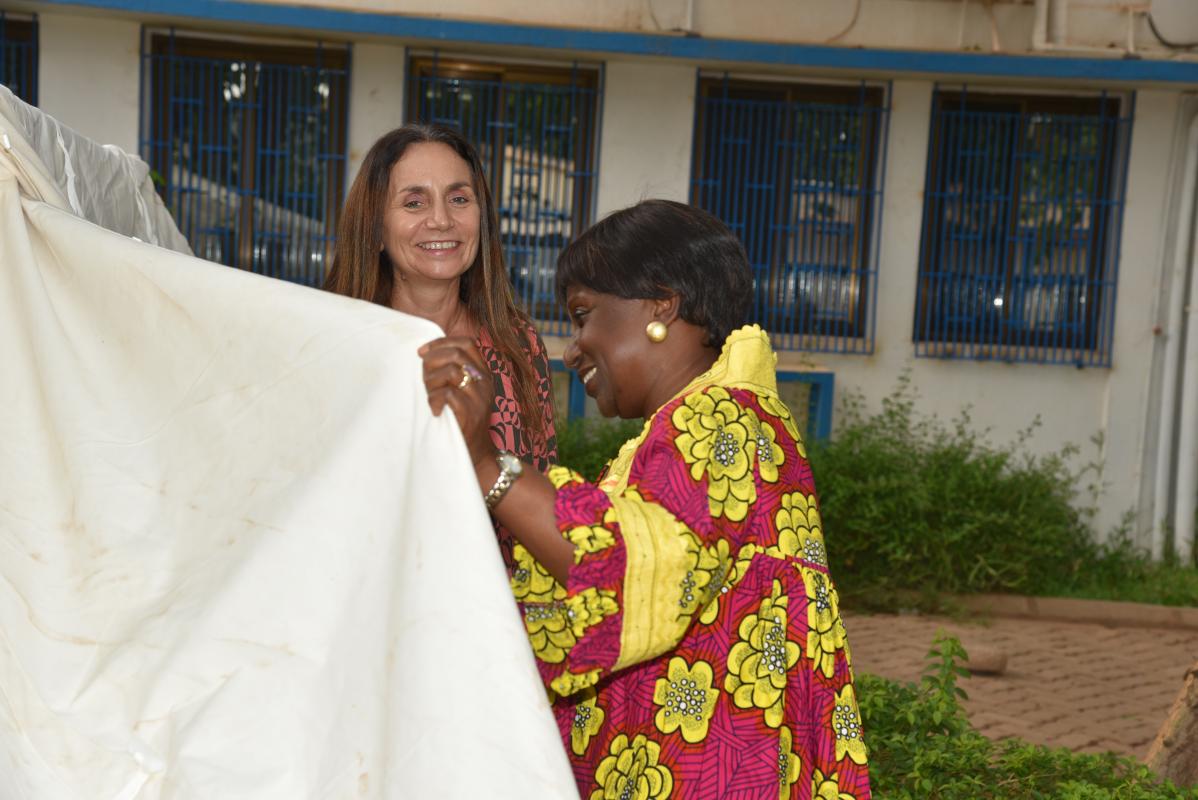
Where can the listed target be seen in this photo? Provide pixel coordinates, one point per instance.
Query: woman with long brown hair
(419, 233)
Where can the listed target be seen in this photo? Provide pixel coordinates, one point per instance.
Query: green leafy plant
(586, 445)
(921, 745)
(914, 509)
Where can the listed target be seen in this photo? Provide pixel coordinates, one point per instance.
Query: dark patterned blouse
(507, 428)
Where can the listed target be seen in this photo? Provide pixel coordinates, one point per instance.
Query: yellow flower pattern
(632, 771)
(825, 628)
(773, 405)
(554, 627)
(713, 440)
(703, 575)
(588, 719)
(763, 447)
(687, 698)
(758, 663)
(827, 787)
(727, 576)
(560, 476)
(799, 533)
(591, 538)
(532, 583)
(570, 683)
(789, 763)
(846, 724)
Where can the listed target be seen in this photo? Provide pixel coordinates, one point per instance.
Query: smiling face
(431, 220)
(610, 352)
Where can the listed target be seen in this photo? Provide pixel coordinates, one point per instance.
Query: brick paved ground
(1082, 686)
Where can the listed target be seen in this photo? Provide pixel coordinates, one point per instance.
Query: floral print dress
(697, 649)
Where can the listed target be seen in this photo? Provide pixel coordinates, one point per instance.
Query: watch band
(509, 470)
(499, 489)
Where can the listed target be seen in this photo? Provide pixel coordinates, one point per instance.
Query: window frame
(1002, 340)
(871, 100)
(159, 44)
(20, 32)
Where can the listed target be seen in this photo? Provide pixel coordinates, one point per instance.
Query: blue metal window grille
(813, 411)
(18, 54)
(535, 130)
(795, 172)
(248, 143)
(1022, 217)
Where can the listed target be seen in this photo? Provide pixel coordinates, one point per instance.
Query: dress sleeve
(640, 574)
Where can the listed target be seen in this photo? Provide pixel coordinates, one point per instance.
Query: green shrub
(1121, 571)
(921, 745)
(910, 504)
(586, 445)
(913, 508)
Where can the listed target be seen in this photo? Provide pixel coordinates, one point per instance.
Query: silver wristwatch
(510, 468)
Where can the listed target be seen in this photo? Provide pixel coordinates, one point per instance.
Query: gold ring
(469, 376)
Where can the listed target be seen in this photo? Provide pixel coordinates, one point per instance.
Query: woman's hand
(455, 375)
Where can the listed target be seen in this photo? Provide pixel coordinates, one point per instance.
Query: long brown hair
(362, 269)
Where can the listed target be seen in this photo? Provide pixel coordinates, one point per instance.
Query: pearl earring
(656, 331)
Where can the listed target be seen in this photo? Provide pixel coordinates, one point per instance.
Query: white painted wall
(1129, 387)
(88, 75)
(1000, 25)
(376, 98)
(645, 143)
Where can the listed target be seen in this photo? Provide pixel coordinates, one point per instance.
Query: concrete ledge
(1066, 609)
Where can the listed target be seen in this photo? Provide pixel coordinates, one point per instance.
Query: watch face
(509, 463)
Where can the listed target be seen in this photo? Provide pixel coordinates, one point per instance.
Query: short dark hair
(659, 247)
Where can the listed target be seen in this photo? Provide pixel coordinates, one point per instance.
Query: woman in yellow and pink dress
(681, 609)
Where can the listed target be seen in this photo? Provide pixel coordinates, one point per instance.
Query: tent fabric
(239, 558)
(101, 183)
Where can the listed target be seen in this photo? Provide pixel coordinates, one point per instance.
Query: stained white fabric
(239, 558)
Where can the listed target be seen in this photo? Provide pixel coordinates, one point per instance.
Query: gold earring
(656, 331)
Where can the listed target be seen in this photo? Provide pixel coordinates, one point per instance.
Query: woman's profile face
(431, 219)
(610, 351)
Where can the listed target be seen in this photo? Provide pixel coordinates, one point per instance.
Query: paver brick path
(1086, 687)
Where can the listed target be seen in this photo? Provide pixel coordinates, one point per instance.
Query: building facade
(993, 197)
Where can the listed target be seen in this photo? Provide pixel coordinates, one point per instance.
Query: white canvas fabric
(239, 558)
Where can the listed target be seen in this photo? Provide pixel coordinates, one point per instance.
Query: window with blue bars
(795, 171)
(18, 54)
(535, 129)
(1022, 214)
(247, 142)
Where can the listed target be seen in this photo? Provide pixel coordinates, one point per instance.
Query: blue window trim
(576, 403)
(1102, 71)
(819, 403)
